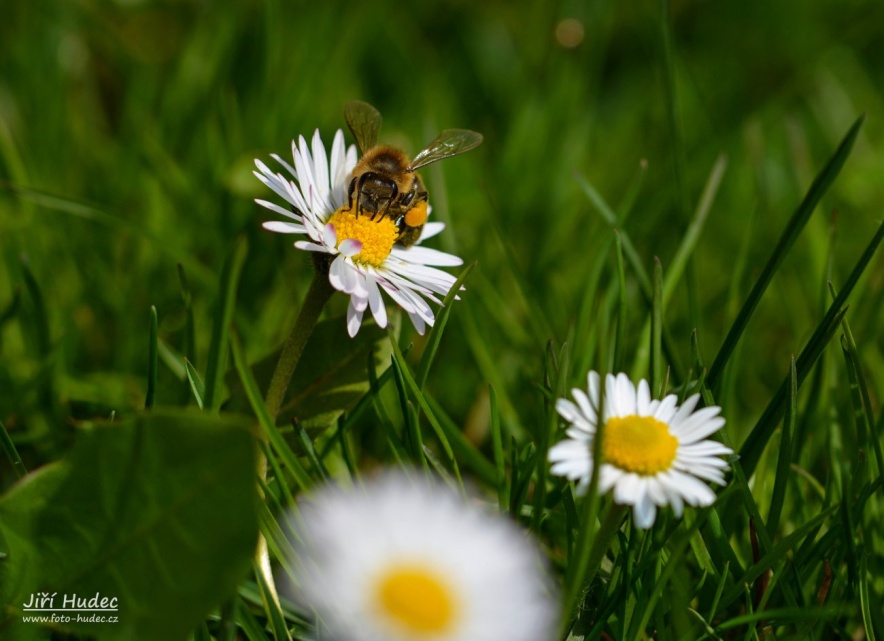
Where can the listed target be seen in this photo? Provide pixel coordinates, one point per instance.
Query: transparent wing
(450, 142)
(364, 122)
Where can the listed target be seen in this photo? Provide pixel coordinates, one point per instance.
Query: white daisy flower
(406, 559)
(365, 257)
(654, 453)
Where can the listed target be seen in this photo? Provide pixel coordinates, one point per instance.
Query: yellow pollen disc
(639, 444)
(377, 236)
(417, 599)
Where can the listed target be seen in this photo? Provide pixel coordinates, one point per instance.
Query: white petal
(350, 247)
(354, 319)
(684, 411)
(281, 227)
(666, 408)
(643, 399)
(279, 210)
(376, 303)
(320, 167)
(586, 408)
(285, 164)
(311, 247)
(329, 235)
(427, 256)
(430, 230)
(644, 512)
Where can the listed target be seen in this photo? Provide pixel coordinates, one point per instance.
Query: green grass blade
(9, 447)
(196, 383)
(689, 242)
(312, 455)
(435, 335)
(412, 386)
(655, 370)
(622, 315)
(271, 431)
(277, 621)
(221, 328)
(784, 455)
(464, 451)
(861, 398)
(503, 493)
(757, 439)
(793, 229)
(150, 398)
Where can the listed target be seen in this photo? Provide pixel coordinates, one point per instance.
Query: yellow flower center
(377, 236)
(417, 599)
(639, 444)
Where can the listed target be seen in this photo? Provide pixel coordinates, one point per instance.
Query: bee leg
(389, 201)
(350, 195)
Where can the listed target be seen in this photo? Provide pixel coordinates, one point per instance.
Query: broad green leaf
(157, 512)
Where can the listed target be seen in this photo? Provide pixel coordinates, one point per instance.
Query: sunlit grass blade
(793, 229)
(862, 402)
(315, 462)
(277, 621)
(269, 428)
(18, 465)
(438, 329)
(222, 318)
(757, 439)
(196, 383)
(691, 236)
(622, 316)
(635, 262)
(655, 369)
(464, 451)
(150, 398)
(784, 455)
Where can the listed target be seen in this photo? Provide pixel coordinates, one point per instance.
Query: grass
(673, 198)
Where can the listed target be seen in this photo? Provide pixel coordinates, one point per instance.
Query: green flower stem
(317, 296)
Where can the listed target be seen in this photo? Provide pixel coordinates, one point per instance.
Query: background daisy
(403, 558)
(363, 254)
(654, 452)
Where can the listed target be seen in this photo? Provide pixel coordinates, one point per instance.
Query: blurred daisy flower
(363, 254)
(406, 559)
(654, 453)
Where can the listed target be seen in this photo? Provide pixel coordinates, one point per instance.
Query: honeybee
(384, 182)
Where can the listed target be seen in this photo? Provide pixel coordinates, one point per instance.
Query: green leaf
(331, 376)
(157, 512)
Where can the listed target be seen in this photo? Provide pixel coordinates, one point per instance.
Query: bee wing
(364, 122)
(450, 142)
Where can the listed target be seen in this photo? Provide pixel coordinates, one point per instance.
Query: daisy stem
(317, 296)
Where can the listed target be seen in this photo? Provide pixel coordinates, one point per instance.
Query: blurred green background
(128, 131)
